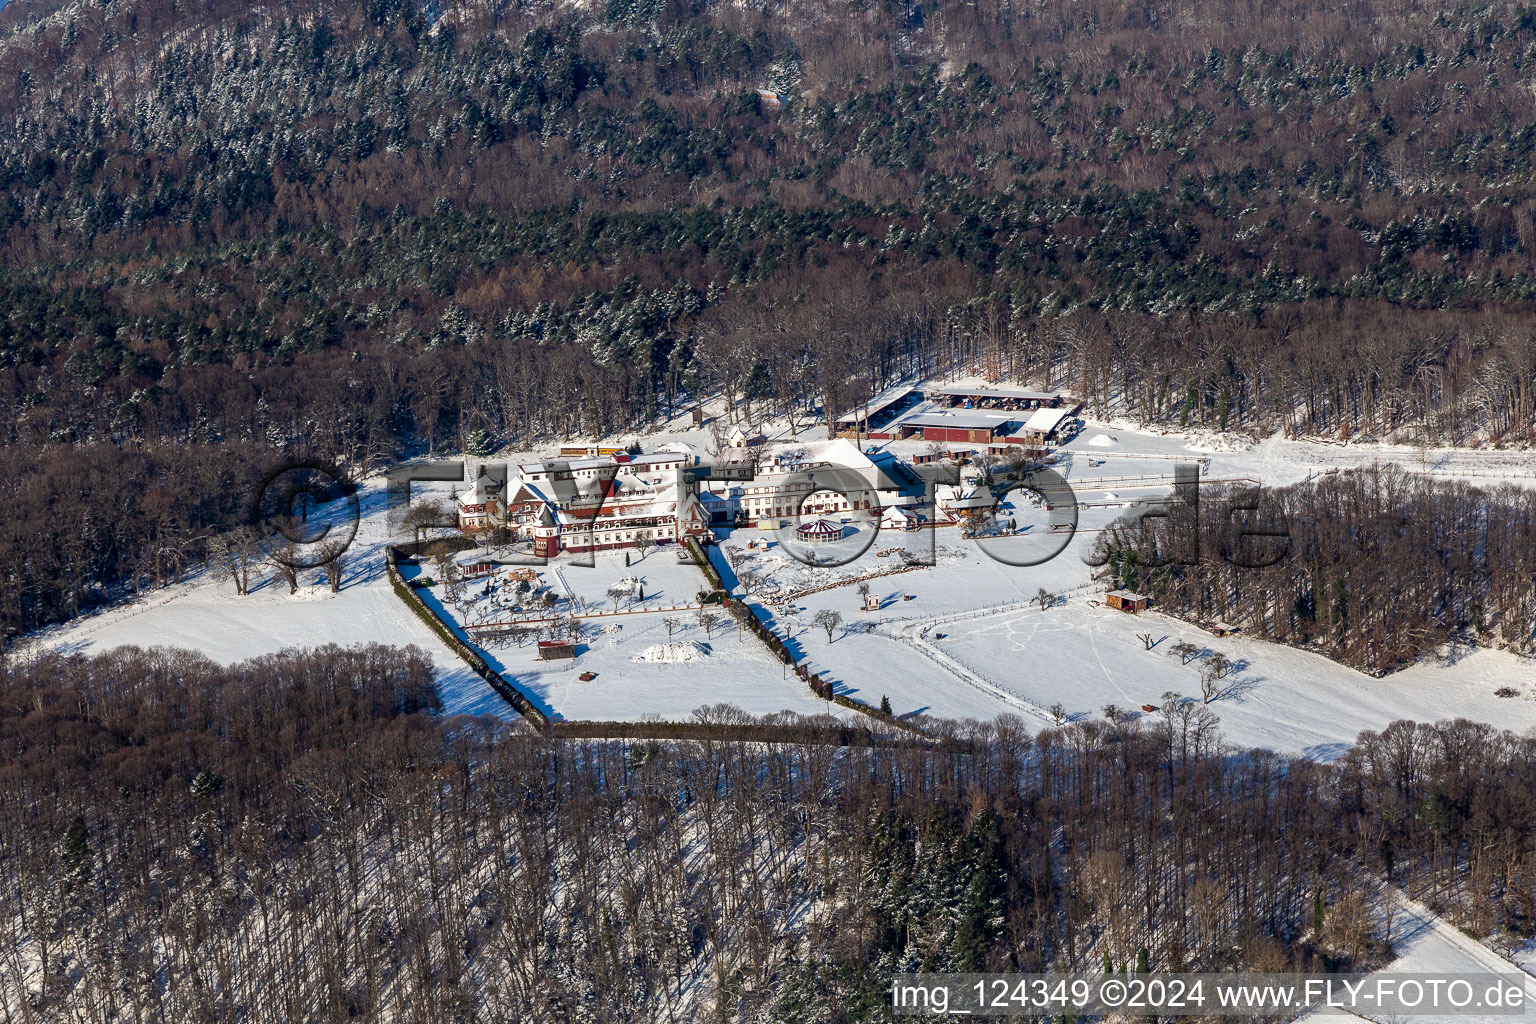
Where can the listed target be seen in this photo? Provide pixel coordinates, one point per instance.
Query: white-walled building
(588, 503)
(482, 505)
(614, 501)
(805, 479)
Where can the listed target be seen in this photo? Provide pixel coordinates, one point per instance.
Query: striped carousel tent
(818, 531)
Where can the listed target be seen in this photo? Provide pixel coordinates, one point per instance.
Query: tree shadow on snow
(1322, 753)
(1240, 688)
(1455, 651)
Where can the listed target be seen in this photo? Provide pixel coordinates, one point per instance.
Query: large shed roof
(1046, 420)
(960, 419)
(998, 393)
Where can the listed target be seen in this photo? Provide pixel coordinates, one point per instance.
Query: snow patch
(673, 652)
(317, 593)
(1103, 441)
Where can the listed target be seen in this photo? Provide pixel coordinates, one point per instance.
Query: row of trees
(300, 838)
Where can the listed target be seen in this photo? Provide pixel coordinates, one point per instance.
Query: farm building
(1042, 427)
(874, 420)
(957, 425)
(590, 451)
(741, 437)
(556, 650)
(1127, 601)
(475, 563)
(983, 426)
(997, 397)
(898, 518)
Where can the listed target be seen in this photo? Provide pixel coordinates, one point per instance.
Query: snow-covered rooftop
(961, 419)
(1046, 420)
(994, 392)
(880, 403)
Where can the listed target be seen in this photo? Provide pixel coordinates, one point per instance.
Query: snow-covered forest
(300, 838)
(1375, 567)
(233, 229)
(237, 233)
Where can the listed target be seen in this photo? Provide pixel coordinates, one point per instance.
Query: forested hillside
(352, 227)
(297, 839)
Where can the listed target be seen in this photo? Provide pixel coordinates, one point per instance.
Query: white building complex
(587, 504)
(805, 479)
(613, 501)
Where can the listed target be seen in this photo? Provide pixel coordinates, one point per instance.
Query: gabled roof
(526, 492)
(960, 496)
(484, 487)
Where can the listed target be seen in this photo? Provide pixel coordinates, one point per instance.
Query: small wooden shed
(556, 650)
(1127, 601)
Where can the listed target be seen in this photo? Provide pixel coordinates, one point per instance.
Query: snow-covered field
(205, 614)
(965, 638)
(960, 639)
(632, 679)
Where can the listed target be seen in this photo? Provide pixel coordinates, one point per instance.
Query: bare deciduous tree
(829, 620)
(424, 515)
(238, 551)
(334, 552)
(750, 581)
